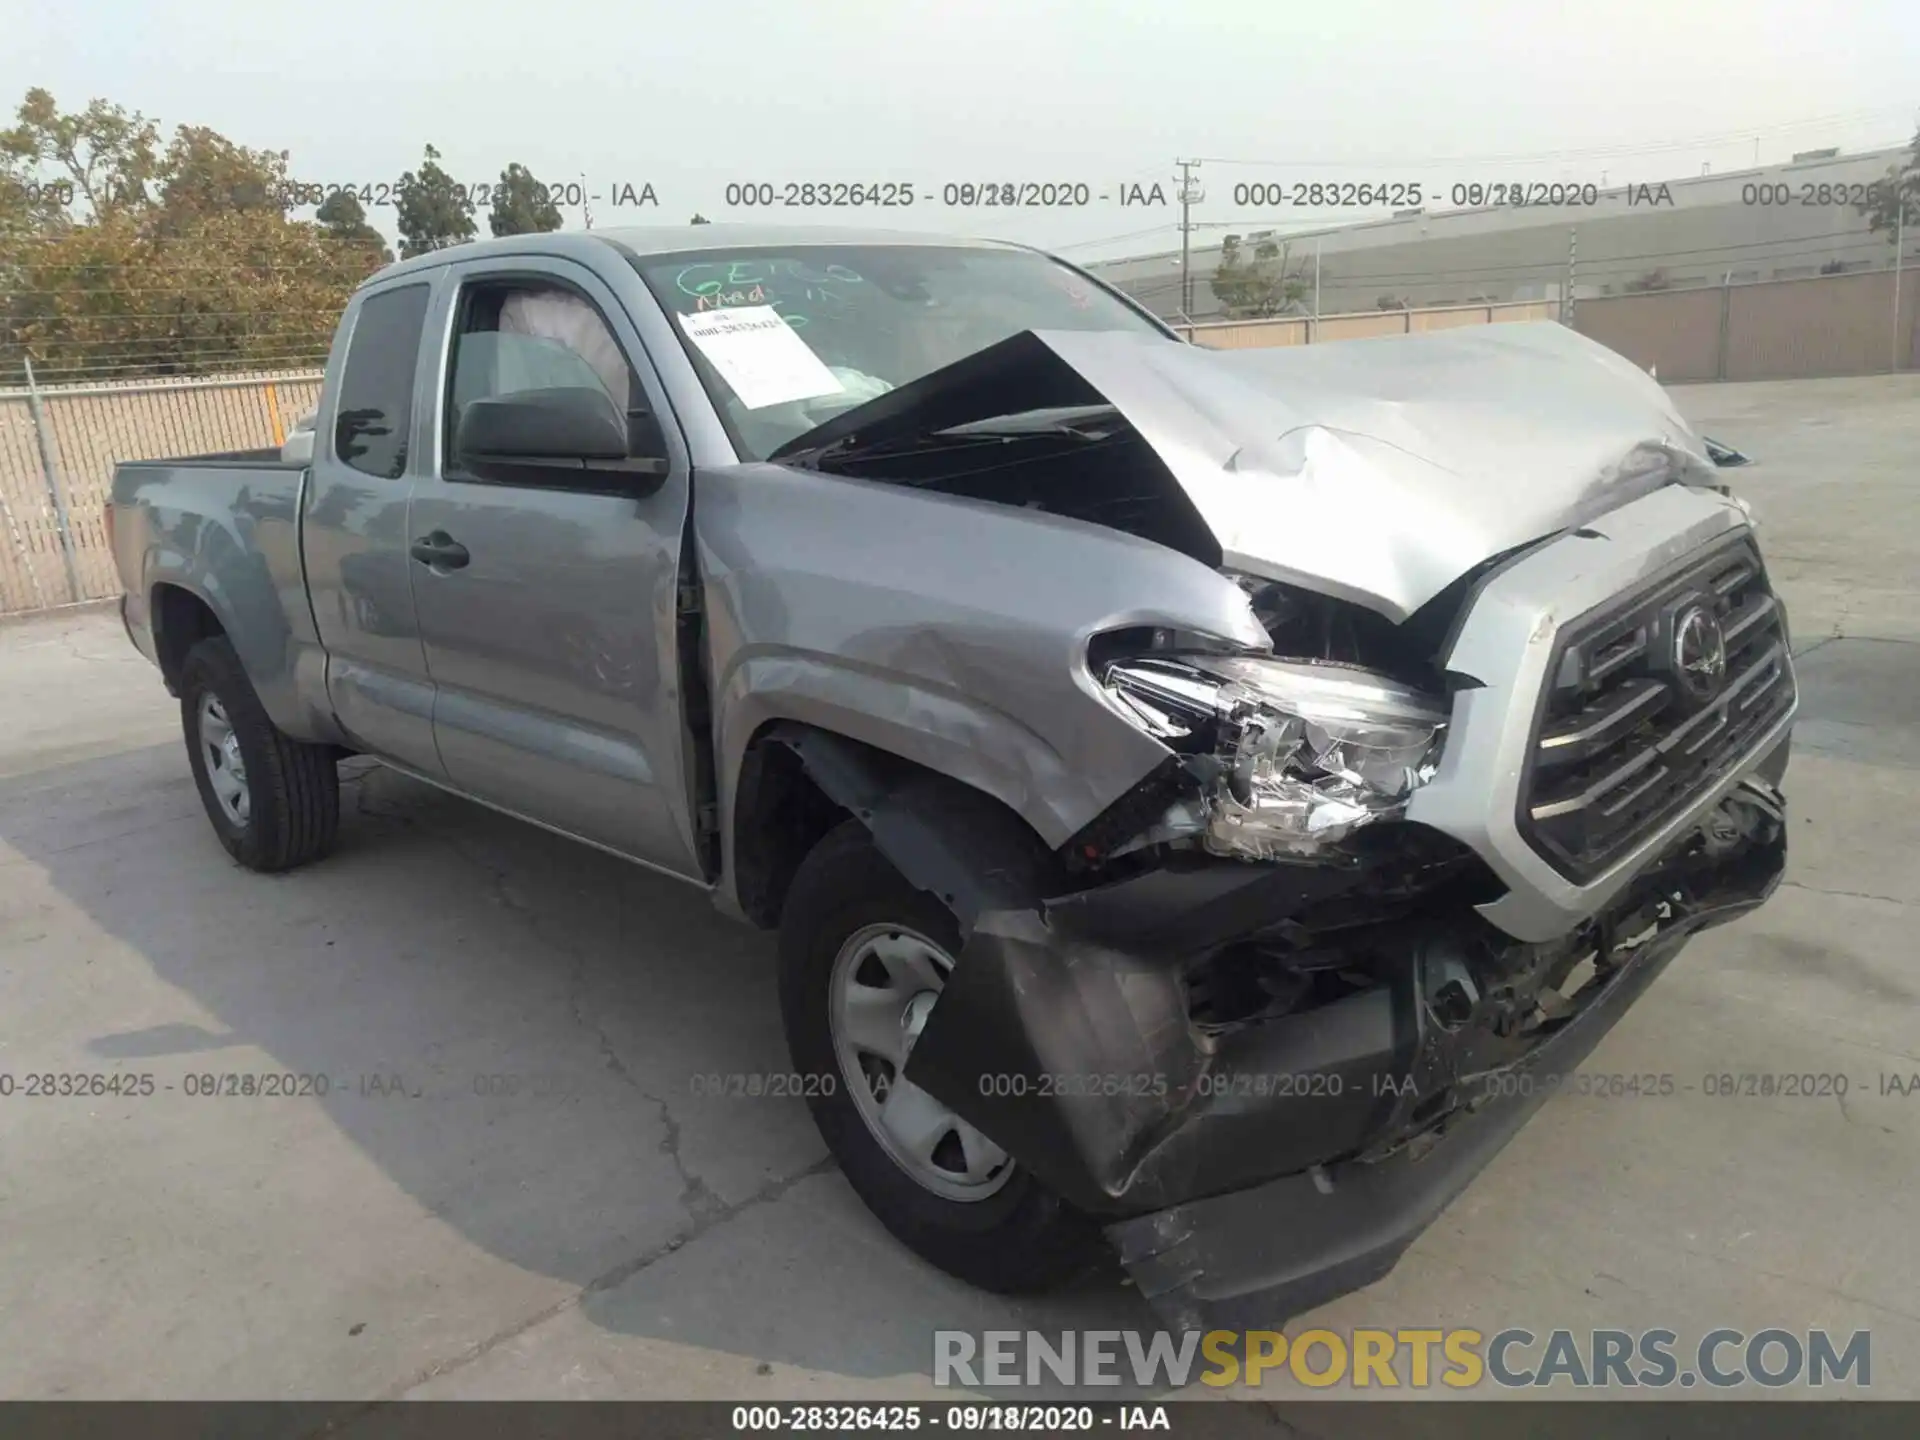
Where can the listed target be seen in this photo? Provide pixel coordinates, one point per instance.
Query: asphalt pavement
(510, 1189)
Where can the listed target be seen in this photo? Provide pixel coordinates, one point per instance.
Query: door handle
(440, 550)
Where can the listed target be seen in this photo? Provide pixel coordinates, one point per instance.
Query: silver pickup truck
(1206, 797)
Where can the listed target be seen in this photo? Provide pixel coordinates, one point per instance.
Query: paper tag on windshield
(759, 355)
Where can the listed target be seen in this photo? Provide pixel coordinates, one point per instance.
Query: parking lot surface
(509, 1188)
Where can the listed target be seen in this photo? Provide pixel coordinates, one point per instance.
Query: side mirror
(570, 438)
(1725, 456)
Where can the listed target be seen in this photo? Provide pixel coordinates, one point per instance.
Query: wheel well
(779, 814)
(781, 811)
(181, 620)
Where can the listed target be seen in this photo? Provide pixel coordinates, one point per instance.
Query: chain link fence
(58, 447)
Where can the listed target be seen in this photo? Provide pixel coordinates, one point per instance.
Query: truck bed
(267, 456)
(227, 526)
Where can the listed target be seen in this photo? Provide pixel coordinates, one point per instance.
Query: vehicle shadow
(509, 1026)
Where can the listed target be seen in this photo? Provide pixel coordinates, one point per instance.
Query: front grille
(1628, 734)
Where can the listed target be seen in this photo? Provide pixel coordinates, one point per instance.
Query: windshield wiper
(1077, 422)
(1085, 424)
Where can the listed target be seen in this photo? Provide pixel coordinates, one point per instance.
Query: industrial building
(1772, 222)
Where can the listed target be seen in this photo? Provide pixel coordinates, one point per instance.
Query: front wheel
(863, 959)
(274, 801)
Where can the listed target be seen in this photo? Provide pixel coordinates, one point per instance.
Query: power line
(1190, 194)
(64, 364)
(1598, 152)
(160, 369)
(1533, 273)
(1544, 271)
(187, 368)
(250, 281)
(1852, 237)
(104, 292)
(1110, 239)
(325, 318)
(160, 346)
(108, 340)
(298, 233)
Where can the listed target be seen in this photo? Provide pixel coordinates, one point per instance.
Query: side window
(517, 338)
(370, 427)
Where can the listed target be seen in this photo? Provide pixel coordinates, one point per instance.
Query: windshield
(785, 339)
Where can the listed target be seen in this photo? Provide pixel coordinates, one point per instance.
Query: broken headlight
(1292, 755)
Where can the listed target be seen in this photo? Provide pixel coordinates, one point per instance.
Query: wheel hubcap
(226, 767)
(886, 981)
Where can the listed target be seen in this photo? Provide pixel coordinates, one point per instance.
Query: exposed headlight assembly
(1292, 755)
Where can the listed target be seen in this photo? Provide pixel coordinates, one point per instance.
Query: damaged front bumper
(1266, 1081)
(1258, 1256)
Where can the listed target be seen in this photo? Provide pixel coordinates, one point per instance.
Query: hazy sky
(1110, 92)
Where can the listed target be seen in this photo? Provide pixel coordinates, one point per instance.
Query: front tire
(274, 802)
(864, 954)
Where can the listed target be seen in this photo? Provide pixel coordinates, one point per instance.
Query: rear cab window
(374, 415)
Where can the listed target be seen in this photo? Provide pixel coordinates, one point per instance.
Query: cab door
(548, 612)
(354, 530)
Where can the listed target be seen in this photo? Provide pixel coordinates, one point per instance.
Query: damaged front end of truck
(1265, 1077)
(1267, 1013)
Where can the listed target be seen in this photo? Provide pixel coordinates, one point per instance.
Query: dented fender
(1065, 992)
(1079, 1060)
(952, 634)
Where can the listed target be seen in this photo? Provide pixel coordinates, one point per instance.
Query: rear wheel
(274, 801)
(864, 957)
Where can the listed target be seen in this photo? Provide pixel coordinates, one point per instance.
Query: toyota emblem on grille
(1699, 651)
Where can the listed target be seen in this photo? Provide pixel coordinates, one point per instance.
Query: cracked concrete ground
(510, 1188)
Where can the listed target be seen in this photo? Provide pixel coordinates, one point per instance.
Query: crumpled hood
(1375, 470)
(1381, 470)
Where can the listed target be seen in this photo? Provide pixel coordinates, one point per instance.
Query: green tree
(120, 261)
(433, 211)
(1256, 286)
(118, 299)
(342, 218)
(109, 156)
(271, 302)
(203, 173)
(1897, 192)
(699, 219)
(521, 205)
(29, 206)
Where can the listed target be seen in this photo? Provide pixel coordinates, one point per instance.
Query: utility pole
(56, 492)
(1313, 331)
(1900, 180)
(1190, 194)
(1566, 300)
(1726, 324)
(1899, 249)
(586, 201)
